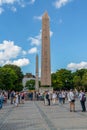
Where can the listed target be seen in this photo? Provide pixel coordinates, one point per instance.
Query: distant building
(27, 77)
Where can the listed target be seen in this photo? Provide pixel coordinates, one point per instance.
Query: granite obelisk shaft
(36, 80)
(45, 57)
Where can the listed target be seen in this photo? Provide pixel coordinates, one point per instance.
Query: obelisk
(45, 56)
(37, 74)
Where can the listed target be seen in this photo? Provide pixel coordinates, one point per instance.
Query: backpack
(83, 97)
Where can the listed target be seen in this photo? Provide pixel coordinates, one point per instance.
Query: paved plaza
(34, 115)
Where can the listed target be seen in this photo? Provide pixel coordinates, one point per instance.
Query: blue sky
(20, 33)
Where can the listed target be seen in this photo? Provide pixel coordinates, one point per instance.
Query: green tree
(77, 81)
(30, 84)
(79, 78)
(62, 79)
(54, 80)
(7, 78)
(80, 72)
(84, 80)
(18, 82)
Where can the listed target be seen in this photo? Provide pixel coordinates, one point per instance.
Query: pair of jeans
(83, 106)
(48, 102)
(1, 103)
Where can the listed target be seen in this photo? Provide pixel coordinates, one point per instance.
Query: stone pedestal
(43, 89)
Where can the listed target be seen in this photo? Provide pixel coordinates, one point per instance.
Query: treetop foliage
(11, 78)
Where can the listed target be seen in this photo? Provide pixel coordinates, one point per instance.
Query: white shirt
(71, 96)
(63, 94)
(54, 95)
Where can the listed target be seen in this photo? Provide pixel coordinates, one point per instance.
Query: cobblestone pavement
(34, 115)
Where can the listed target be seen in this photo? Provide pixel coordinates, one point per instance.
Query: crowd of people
(17, 97)
(62, 96)
(59, 97)
(14, 97)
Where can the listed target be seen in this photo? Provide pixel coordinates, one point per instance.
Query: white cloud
(1, 62)
(31, 1)
(60, 3)
(8, 50)
(10, 4)
(21, 62)
(38, 17)
(75, 66)
(51, 33)
(1, 10)
(33, 50)
(4, 3)
(7, 1)
(37, 39)
(22, 3)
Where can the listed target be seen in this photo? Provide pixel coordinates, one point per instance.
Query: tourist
(63, 96)
(19, 98)
(71, 99)
(16, 99)
(48, 98)
(54, 96)
(12, 95)
(1, 100)
(45, 100)
(60, 97)
(22, 97)
(82, 97)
